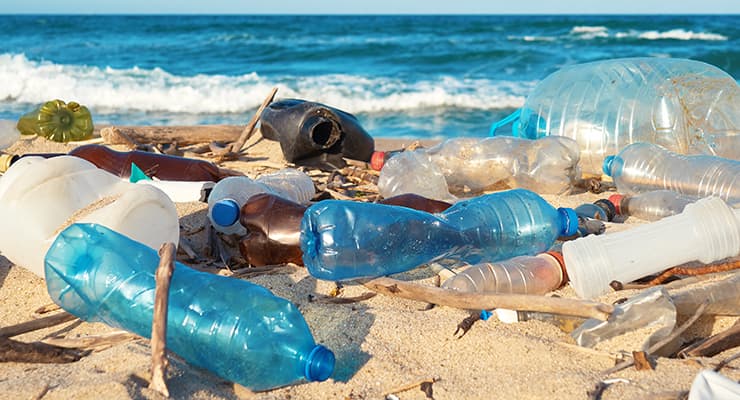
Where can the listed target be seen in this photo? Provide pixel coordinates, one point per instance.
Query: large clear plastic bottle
(538, 274)
(548, 165)
(230, 194)
(651, 206)
(707, 230)
(347, 240)
(644, 167)
(234, 328)
(686, 106)
(39, 196)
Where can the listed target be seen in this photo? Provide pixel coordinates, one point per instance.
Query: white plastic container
(230, 194)
(686, 106)
(39, 197)
(9, 134)
(707, 231)
(182, 191)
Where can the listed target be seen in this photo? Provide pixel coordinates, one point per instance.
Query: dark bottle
(313, 133)
(273, 225)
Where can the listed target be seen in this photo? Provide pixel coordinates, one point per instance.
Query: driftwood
(715, 344)
(93, 341)
(182, 135)
(36, 324)
(36, 352)
(159, 324)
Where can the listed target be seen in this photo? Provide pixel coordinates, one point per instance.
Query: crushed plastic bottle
(686, 106)
(346, 240)
(58, 121)
(707, 230)
(236, 329)
(651, 206)
(39, 197)
(230, 194)
(644, 167)
(538, 274)
(548, 165)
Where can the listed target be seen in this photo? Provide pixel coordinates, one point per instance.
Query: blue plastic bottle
(346, 239)
(234, 328)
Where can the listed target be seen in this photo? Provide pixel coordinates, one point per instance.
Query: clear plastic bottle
(345, 239)
(39, 196)
(9, 134)
(234, 328)
(548, 165)
(523, 275)
(651, 206)
(707, 230)
(686, 106)
(230, 194)
(644, 167)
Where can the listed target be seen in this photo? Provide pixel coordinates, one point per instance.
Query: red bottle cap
(616, 199)
(377, 160)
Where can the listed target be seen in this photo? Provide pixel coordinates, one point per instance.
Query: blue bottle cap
(320, 364)
(606, 167)
(225, 212)
(570, 221)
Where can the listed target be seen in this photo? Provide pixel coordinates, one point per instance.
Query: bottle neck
(319, 364)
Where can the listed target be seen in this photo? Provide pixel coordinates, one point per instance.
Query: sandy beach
(382, 344)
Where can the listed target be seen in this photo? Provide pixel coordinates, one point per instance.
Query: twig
(36, 324)
(248, 131)
(44, 390)
(185, 246)
(93, 341)
(730, 265)
(322, 299)
(487, 300)
(265, 270)
(411, 386)
(726, 361)
(715, 344)
(159, 323)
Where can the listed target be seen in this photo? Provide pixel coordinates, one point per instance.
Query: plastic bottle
(9, 134)
(547, 165)
(273, 226)
(39, 197)
(346, 240)
(707, 230)
(230, 194)
(601, 209)
(644, 167)
(234, 328)
(651, 206)
(58, 121)
(686, 106)
(538, 274)
(310, 131)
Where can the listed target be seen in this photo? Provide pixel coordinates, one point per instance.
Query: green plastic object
(137, 174)
(58, 121)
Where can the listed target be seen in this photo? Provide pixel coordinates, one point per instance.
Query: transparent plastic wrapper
(230, 194)
(686, 106)
(9, 134)
(347, 240)
(548, 165)
(707, 230)
(711, 385)
(236, 329)
(644, 167)
(721, 297)
(39, 197)
(538, 274)
(651, 206)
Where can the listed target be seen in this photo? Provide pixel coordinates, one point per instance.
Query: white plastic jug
(39, 197)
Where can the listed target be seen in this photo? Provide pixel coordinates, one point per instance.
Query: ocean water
(402, 76)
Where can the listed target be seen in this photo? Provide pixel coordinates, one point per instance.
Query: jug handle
(507, 120)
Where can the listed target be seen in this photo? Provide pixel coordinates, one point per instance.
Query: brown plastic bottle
(274, 226)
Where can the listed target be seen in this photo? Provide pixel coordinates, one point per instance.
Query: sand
(381, 344)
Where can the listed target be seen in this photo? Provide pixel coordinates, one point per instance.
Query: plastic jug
(346, 239)
(707, 230)
(39, 197)
(651, 206)
(644, 167)
(58, 121)
(234, 328)
(686, 106)
(230, 194)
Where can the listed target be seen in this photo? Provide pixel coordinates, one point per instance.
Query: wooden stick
(37, 352)
(183, 135)
(36, 324)
(92, 341)
(236, 146)
(727, 265)
(159, 322)
(487, 300)
(715, 344)
(411, 386)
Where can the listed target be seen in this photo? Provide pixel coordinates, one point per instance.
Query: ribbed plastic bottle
(538, 274)
(230, 194)
(651, 206)
(707, 230)
(548, 165)
(39, 197)
(346, 240)
(238, 330)
(644, 167)
(686, 106)
(58, 121)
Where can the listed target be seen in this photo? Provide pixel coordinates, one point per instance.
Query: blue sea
(402, 76)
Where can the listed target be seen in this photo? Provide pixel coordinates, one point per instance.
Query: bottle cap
(616, 200)
(558, 256)
(571, 221)
(377, 160)
(319, 365)
(609, 208)
(607, 166)
(225, 212)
